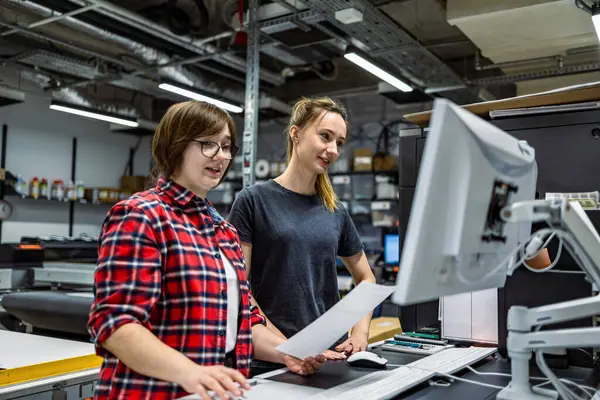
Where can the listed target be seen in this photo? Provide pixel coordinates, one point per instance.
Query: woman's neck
(200, 192)
(297, 179)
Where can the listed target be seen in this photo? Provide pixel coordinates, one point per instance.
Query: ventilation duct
(72, 96)
(10, 96)
(149, 55)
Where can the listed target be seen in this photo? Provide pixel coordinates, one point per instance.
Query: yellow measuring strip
(44, 370)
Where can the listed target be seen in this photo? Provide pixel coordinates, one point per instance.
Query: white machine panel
(470, 317)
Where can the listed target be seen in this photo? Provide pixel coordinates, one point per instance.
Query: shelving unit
(7, 191)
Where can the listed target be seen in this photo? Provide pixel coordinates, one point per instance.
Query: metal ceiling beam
(52, 19)
(378, 33)
(137, 21)
(149, 55)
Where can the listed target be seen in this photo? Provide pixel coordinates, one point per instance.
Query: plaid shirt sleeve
(128, 275)
(256, 317)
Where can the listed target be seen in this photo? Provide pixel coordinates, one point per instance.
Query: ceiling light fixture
(93, 114)
(200, 97)
(377, 71)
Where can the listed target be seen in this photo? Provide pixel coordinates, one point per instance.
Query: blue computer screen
(391, 249)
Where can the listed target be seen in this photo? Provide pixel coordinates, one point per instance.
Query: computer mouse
(366, 359)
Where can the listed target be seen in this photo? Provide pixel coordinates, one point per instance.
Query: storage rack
(7, 191)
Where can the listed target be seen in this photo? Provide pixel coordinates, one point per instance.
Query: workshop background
(62, 172)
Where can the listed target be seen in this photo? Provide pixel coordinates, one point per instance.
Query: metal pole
(252, 95)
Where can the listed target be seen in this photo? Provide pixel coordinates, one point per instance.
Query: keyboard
(454, 359)
(385, 384)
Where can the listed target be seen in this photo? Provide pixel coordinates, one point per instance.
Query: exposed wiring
(518, 251)
(525, 256)
(587, 353)
(535, 378)
(453, 377)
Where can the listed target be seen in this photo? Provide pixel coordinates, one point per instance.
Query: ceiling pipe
(149, 55)
(52, 19)
(72, 96)
(137, 21)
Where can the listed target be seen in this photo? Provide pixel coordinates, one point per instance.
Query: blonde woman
(292, 229)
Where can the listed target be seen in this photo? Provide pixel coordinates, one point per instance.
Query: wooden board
(571, 94)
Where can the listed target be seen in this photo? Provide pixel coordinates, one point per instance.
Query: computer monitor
(474, 205)
(391, 249)
(455, 239)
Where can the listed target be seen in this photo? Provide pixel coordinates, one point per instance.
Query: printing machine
(46, 284)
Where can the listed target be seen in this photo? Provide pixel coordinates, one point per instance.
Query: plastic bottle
(71, 194)
(19, 186)
(80, 190)
(35, 187)
(44, 189)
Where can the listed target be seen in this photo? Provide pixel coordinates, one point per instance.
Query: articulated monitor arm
(584, 245)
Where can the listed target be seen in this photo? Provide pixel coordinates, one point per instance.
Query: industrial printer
(46, 284)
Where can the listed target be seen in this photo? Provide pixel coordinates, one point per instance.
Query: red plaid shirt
(159, 265)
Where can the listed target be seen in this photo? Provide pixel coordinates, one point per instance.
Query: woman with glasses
(172, 314)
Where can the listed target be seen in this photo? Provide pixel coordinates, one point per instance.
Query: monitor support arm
(521, 341)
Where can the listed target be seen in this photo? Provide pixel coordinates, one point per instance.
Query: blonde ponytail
(305, 112)
(326, 193)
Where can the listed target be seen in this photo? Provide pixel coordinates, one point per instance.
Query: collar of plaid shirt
(164, 246)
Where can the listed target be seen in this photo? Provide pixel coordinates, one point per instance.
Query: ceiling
(103, 55)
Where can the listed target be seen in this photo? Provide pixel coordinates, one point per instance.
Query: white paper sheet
(323, 332)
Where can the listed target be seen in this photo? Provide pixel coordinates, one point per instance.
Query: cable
(535, 378)
(561, 388)
(457, 378)
(526, 256)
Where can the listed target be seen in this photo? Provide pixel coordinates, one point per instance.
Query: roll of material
(59, 311)
(262, 168)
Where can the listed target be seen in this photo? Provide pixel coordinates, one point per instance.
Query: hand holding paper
(338, 320)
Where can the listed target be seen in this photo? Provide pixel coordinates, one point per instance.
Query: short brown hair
(305, 112)
(182, 123)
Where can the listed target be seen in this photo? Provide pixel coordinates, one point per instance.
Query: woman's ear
(294, 133)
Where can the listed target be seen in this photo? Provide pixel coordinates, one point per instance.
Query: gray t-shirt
(295, 241)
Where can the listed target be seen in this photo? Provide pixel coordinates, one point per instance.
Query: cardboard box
(384, 328)
(385, 162)
(362, 159)
(136, 183)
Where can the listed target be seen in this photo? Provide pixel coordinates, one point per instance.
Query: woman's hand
(308, 366)
(355, 343)
(199, 380)
(334, 355)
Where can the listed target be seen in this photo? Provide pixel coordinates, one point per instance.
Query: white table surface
(22, 349)
(273, 390)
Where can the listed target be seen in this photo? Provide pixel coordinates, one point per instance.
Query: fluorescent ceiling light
(596, 21)
(90, 114)
(378, 72)
(200, 97)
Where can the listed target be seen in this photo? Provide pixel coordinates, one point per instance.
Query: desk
(284, 385)
(33, 365)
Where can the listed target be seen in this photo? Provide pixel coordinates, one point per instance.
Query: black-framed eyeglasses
(210, 149)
